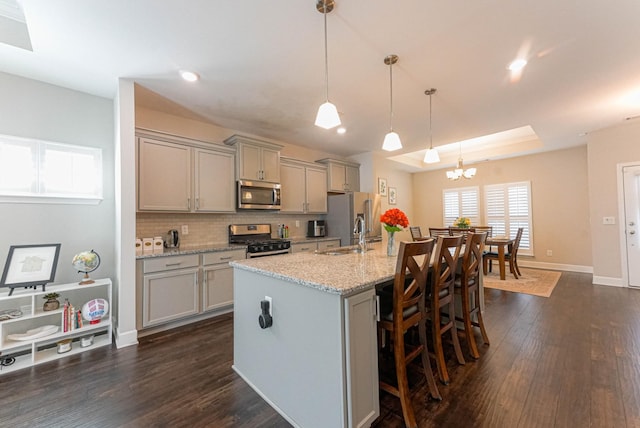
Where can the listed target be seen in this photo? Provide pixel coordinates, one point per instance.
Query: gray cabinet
(169, 289)
(342, 176)
(310, 246)
(217, 277)
(304, 187)
(178, 174)
(256, 159)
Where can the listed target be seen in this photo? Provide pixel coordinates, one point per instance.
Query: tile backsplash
(208, 229)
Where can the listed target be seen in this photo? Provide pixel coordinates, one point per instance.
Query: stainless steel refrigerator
(343, 210)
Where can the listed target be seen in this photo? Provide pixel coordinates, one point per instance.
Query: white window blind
(507, 208)
(461, 202)
(41, 171)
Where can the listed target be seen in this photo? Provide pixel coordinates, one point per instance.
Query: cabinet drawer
(223, 257)
(325, 245)
(159, 264)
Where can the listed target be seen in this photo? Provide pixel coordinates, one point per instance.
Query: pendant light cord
(430, 130)
(391, 96)
(326, 55)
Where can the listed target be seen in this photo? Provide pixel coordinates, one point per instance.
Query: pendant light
(431, 156)
(392, 139)
(327, 116)
(459, 171)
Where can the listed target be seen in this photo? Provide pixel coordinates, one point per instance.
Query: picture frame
(382, 186)
(30, 266)
(393, 195)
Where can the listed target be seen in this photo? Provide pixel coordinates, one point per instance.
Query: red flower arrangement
(393, 220)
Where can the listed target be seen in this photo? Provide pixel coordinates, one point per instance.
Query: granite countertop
(342, 274)
(194, 250)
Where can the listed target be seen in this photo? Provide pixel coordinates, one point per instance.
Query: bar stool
(467, 286)
(409, 310)
(441, 296)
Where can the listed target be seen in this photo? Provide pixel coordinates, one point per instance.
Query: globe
(85, 262)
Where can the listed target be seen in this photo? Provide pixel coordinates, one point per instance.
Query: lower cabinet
(174, 288)
(217, 275)
(314, 245)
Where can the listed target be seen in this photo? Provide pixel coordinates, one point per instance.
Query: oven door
(254, 195)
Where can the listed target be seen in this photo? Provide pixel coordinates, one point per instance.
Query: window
(507, 208)
(461, 202)
(41, 171)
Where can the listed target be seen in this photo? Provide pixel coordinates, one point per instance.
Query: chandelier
(459, 171)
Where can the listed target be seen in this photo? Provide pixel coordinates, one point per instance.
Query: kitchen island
(317, 364)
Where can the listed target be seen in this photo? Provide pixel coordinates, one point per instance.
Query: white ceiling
(262, 65)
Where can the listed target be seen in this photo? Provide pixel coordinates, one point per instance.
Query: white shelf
(44, 349)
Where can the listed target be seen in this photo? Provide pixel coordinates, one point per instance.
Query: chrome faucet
(359, 227)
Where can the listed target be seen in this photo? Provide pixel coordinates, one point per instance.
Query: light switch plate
(608, 220)
(185, 229)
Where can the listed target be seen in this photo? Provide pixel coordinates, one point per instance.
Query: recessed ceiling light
(341, 130)
(517, 65)
(189, 76)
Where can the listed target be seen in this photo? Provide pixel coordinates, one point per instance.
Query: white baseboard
(554, 266)
(606, 280)
(126, 338)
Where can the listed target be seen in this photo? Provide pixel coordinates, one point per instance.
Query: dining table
(503, 243)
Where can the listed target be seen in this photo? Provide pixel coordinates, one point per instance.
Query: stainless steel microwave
(258, 195)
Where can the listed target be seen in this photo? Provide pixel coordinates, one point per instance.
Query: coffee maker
(172, 240)
(316, 228)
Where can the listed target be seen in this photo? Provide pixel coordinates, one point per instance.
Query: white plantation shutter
(507, 208)
(461, 202)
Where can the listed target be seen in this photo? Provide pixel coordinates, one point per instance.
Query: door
(631, 184)
(214, 184)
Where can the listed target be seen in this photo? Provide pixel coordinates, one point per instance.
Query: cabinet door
(270, 165)
(316, 191)
(293, 188)
(214, 181)
(303, 247)
(217, 291)
(337, 174)
(164, 176)
(250, 165)
(169, 296)
(361, 359)
(325, 245)
(353, 178)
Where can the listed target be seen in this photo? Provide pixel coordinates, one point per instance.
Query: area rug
(533, 281)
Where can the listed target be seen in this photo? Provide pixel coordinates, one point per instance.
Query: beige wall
(559, 198)
(606, 149)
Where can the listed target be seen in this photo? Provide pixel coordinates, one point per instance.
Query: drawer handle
(226, 258)
(173, 264)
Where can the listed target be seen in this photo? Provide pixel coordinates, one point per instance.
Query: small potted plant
(51, 302)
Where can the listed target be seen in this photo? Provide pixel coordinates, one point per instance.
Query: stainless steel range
(257, 238)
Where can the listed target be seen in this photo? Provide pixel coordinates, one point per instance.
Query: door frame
(622, 236)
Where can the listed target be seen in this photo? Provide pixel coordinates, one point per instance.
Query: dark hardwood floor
(571, 360)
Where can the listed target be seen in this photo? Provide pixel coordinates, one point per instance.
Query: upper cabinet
(304, 187)
(343, 176)
(256, 159)
(178, 174)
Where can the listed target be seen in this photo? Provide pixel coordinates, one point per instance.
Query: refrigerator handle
(367, 205)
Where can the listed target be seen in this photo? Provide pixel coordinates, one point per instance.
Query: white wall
(34, 109)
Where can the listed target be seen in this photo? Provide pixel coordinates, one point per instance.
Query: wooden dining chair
(434, 232)
(461, 231)
(416, 233)
(408, 309)
(441, 296)
(468, 287)
(487, 229)
(511, 255)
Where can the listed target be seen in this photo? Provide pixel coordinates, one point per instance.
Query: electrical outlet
(549, 253)
(297, 223)
(270, 300)
(608, 220)
(185, 229)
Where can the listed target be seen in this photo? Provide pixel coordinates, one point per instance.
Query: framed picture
(30, 266)
(382, 186)
(393, 194)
